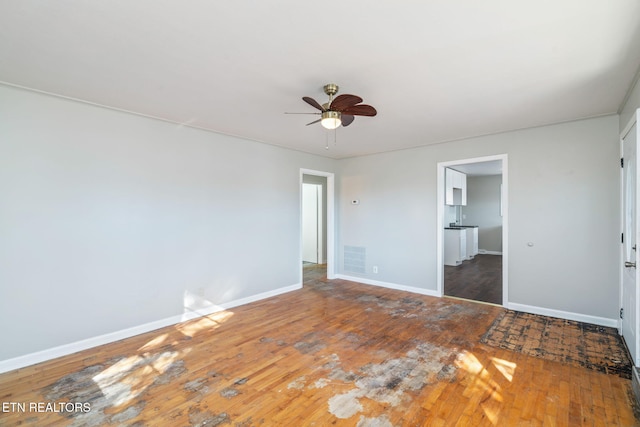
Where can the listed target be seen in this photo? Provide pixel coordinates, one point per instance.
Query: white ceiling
(492, 167)
(435, 71)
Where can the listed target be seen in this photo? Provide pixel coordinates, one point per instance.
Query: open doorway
(472, 229)
(316, 225)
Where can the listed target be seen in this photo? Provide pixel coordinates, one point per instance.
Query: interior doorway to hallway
(316, 224)
(314, 236)
(472, 249)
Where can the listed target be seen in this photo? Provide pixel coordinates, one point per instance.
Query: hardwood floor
(479, 279)
(332, 353)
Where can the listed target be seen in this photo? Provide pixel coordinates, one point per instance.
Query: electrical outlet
(375, 269)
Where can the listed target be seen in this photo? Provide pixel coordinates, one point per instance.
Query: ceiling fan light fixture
(331, 119)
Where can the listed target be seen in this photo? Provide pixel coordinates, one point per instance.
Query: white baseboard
(260, 296)
(635, 384)
(429, 292)
(74, 347)
(602, 321)
(486, 252)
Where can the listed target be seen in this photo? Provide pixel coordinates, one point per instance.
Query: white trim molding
(568, 315)
(486, 252)
(74, 347)
(421, 291)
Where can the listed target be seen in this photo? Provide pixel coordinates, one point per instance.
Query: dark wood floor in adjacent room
(478, 279)
(333, 353)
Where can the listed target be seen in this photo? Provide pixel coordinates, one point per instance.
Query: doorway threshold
(472, 300)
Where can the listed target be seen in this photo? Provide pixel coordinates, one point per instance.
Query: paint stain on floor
(116, 389)
(114, 384)
(310, 343)
(390, 381)
(437, 314)
(297, 384)
(381, 421)
(198, 418)
(229, 392)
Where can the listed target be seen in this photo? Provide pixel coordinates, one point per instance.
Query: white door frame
(330, 208)
(635, 358)
(505, 220)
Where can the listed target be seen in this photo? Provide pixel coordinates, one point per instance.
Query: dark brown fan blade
(344, 101)
(360, 110)
(312, 102)
(347, 119)
(315, 121)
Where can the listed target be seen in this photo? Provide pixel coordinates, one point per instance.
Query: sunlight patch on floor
(156, 342)
(129, 377)
(481, 382)
(212, 321)
(505, 367)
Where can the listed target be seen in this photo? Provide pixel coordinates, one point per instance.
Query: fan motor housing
(331, 115)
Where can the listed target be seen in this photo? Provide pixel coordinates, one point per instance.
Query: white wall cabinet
(448, 186)
(455, 187)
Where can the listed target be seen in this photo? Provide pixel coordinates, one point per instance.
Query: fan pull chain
(326, 146)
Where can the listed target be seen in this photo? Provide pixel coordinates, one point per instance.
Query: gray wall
(483, 210)
(563, 198)
(451, 214)
(109, 220)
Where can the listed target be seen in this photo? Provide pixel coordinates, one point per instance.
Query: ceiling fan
(340, 110)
